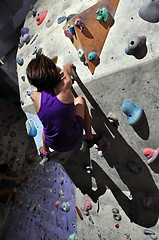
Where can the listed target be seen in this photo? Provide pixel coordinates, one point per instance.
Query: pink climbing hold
(68, 33)
(80, 24)
(40, 17)
(151, 154)
(87, 207)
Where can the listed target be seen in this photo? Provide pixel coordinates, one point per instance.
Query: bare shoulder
(36, 98)
(35, 95)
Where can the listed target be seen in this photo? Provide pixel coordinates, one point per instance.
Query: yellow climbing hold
(54, 59)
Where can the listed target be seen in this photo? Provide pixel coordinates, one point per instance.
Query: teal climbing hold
(30, 127)
(92, 56)
(133, 112)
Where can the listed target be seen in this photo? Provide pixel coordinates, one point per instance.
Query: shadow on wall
(143, 208)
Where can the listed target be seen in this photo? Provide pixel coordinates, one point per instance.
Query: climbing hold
(100, 153)
(117, 225)
(85, 63)
(115, 210)
(33, 208)
(135, 46)
(72, 29)
(150, 154)
(150, 233)
(150, 11)
(54, 59)
(34, 12)
(113, 119)
(66, 206)
(30, 127)
(102, 15)
(23, 78)
(20, 44)
(68, 33)
(50, 22)
(61, 19)
(29, 203)
(73, 224)
(22, 102)
(62, 181)
(20, 60)
(44, 160)
(26, 38)
(89, 169)
(79, 212)
(57, 203)
(147, 232)
(73, 236)
(70, 16)
(40, 17)
(153, 236)
(81, 55)
(29, 91)
(34, 39)
(132, 112)
(117, 216)
(37, 50)
(52, 213)
(80, 24)
(87, 207)
(92, 56)
(90, 219)
(24, 31)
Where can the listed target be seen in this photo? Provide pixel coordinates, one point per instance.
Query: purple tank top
(63, 130)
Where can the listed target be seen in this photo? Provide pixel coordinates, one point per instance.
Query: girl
(62, 116)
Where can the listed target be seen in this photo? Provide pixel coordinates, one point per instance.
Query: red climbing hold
(40, 17)
(117, 225)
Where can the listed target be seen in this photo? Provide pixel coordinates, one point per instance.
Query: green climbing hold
(73, 236)
(115, 210)
(102, 15)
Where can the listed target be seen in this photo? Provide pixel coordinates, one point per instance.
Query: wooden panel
(94, 36)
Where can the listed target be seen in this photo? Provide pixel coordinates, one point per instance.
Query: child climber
(62, 116)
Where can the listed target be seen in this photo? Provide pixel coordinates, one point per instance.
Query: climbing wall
(39, 213)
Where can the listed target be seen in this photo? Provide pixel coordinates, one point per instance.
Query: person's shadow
(143, 208)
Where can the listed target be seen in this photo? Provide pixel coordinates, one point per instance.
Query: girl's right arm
(67, 76)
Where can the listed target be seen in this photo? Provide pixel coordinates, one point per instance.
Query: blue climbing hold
(72, 29)
(30, 127)
(20, 60)
(133, 112)
(92, 56)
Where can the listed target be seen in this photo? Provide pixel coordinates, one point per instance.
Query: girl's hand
(67, 67)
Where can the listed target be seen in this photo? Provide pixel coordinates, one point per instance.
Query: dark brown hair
(42, 73)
